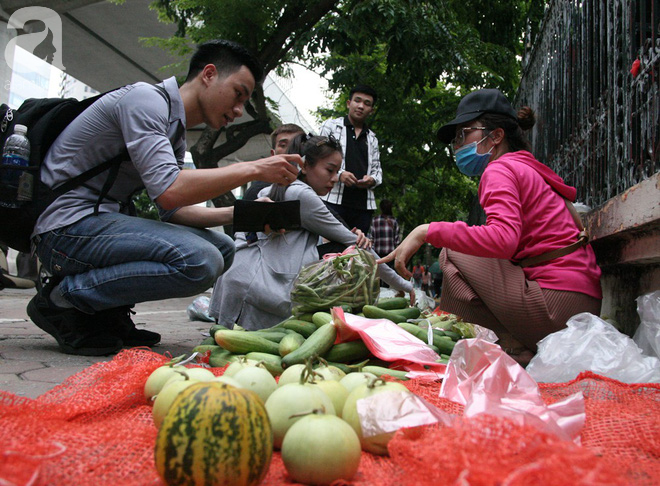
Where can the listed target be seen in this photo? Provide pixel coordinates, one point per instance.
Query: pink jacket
(525, 217)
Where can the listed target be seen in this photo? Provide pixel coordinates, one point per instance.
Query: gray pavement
(30, 360)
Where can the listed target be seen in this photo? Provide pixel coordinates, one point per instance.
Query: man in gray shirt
(104, 260)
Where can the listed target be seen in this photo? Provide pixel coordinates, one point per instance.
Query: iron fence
(597, 123)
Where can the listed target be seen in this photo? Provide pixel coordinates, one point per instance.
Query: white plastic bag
(647, 335)
(424, 301)
(198, 310)
(591, 344)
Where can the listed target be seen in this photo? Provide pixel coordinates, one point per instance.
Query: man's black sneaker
(75, 332)
(118, 321)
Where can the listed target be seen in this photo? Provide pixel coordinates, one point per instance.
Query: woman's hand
(362, 240)
(404, 252)
(271, 232)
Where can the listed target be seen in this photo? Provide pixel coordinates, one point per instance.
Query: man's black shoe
(118, 321)
(75, 332)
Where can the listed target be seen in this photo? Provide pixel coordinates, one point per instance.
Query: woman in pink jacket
(529, 268)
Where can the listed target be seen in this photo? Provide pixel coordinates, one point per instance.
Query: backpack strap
(115, 162)
(113, 165)
(583, 239)
(83, 177)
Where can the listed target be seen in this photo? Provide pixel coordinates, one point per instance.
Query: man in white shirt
(352, 198)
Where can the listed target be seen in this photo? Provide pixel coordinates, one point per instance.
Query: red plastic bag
(389, 342)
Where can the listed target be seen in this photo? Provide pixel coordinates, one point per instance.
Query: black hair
(227, 56)
(363, 88)
(513, 129)
(313, 148)
(386, 207)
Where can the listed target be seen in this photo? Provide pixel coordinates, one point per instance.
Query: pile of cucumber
(295, 340)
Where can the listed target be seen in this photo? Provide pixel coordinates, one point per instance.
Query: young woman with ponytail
(255, 291)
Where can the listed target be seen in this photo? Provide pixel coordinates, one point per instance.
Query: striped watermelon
(214, 434)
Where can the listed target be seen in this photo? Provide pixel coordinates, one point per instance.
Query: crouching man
(103, 259)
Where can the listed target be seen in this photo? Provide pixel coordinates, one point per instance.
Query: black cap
(474, 105)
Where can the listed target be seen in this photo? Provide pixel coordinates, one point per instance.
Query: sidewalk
(30, 360)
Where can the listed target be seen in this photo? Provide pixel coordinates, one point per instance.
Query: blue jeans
(113, 260)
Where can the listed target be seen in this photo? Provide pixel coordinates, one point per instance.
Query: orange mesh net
(96, 428)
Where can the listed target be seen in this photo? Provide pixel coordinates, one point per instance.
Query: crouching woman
(529, 268)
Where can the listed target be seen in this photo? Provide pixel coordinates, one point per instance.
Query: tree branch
(292, 22)
(238, 135)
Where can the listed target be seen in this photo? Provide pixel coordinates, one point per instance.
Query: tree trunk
(202, 151)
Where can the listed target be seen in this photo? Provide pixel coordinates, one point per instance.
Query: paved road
(31, 364)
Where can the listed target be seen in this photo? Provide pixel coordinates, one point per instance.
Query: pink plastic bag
(481, 376)
(389, 342)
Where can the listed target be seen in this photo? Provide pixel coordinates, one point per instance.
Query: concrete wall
(5, 69)
(625, 234)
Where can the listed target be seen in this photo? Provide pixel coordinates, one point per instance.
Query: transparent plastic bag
(591, 344)
(198, 310)
(424, 301)
(647, 335)
(340, 279)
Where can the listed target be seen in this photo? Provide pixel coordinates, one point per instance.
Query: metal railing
(597, 123)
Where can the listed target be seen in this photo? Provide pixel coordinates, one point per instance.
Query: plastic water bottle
(15, 156)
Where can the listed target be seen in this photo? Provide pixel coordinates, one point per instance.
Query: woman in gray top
(255, 291)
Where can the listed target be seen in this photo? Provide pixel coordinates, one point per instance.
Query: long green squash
(241, 342)
(348, 352)
(392, 303)
(373, 312)
(214, 434)
(317, 344)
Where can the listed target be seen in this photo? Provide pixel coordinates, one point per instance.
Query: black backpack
(45, 119)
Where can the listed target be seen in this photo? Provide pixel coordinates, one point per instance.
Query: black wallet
(255, 215)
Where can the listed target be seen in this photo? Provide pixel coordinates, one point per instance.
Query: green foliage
(421, 57)
(499, 28)
(418, 172)
(144, 206)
